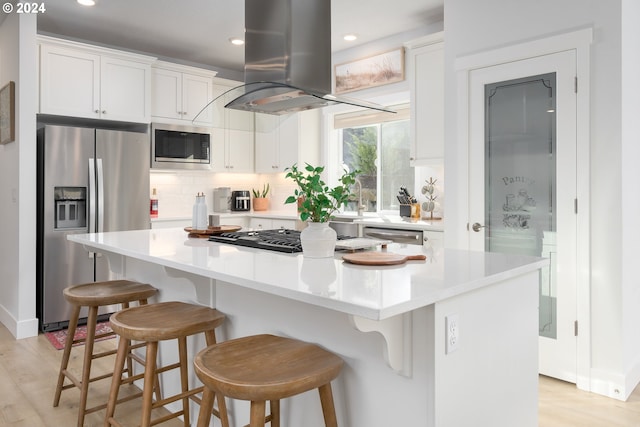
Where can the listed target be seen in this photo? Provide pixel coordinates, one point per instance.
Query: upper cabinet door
(125, 90)
(166, 89)
(426, 75)
(69, 82)
(197, 92)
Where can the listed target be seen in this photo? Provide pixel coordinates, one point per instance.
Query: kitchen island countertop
(372, 292)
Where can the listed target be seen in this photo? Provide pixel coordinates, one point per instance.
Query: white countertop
(372, 292)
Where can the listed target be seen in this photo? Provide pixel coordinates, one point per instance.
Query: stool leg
(184, 378)
(73, 324)
(274, 406)
(149, 377)
(206, 406)
(129, 359)
(121, 355)
(257, 414)
(328, 408)
(222, 405)
(86, 366)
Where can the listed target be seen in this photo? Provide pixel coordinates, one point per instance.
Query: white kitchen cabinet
(282, 141)
(84, 81)
(425, 69)
(257, 223)
(232, 151)
(433, 239)
(180, 92)
(232, 148)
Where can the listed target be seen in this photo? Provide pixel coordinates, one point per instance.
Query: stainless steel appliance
(287, 54)
(89, 180)
(240, 200)
(412, 237)
(180, 147)
(221, 199)
(280, 240)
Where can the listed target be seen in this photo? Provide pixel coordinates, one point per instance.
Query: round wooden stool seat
(267, 367)
(95, 295)
(160, 322)
(107, 293)
(165, 321)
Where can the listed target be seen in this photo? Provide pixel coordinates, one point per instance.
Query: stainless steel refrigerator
(89, 180)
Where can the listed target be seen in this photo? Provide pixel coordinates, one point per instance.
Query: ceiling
(198, 31)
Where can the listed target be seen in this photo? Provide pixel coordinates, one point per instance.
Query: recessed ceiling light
(87, 2)
(236, 41)
(350, 37)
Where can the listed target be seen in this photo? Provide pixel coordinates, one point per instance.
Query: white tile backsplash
(177, 190)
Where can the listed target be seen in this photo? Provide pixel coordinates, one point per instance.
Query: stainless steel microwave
(180, 147)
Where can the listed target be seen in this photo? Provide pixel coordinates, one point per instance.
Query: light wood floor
(28, 370)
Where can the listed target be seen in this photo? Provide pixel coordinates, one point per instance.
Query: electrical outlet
(452, 333)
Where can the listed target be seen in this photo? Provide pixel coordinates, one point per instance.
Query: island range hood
(287, 59)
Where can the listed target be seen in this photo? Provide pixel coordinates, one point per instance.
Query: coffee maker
(240, 200)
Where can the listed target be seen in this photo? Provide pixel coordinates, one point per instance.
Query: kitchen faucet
(360, 205)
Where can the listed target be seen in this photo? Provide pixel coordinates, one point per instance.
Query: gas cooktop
(282, 240)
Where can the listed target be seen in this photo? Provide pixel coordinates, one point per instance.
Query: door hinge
(575, 84)
(575, 328)
(575, 205)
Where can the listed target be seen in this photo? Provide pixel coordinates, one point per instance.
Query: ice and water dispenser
(71, 207)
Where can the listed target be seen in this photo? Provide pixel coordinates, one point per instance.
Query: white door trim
(580, 41)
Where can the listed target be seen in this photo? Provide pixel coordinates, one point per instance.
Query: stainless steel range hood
(287, 59)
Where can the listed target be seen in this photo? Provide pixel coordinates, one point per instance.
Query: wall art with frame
(7, 113)
(376, 70)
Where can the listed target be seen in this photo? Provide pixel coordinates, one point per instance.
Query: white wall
(630, 70)
(18, 179)
(473, 27)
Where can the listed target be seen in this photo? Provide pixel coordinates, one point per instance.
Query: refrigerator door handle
(100, 199)
(91, 198)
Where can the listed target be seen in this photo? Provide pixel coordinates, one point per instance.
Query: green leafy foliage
(261, 194)
(319, 201)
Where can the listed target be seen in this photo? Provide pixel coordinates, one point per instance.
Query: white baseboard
(613, 385)
(19, 329)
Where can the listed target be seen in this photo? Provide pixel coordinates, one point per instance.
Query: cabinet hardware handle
(104, 111)
(96, 111)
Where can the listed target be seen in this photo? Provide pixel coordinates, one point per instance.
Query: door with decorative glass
(522, 172)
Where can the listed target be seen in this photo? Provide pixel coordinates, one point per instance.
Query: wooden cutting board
(380, 258)
(212, 230)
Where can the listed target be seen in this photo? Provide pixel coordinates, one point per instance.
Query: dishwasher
(411, 237)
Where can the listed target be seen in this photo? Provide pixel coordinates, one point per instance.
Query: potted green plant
(316, 204)
(260, 200)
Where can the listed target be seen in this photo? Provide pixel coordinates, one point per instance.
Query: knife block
(410, 211)
(405, 211)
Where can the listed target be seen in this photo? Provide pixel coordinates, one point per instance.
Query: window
(376, 144)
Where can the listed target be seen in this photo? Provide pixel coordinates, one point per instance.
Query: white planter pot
(318, 240)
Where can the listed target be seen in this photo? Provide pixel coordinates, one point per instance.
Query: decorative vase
(260, 203)
(318, 240)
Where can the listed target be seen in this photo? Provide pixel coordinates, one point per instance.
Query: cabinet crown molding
(96, 50)
(173, 66)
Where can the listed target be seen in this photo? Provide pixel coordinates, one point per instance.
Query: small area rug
(59, 338)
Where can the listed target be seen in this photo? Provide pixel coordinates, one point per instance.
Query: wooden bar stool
(266, 367)
(160, 322)
(94, 296)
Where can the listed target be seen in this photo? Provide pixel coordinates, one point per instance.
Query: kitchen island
(388, 323)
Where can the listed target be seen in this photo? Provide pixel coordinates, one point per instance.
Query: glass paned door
(522, 185)
(520, 177)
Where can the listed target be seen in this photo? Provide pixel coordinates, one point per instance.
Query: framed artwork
(7, 113)
(380, 69)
